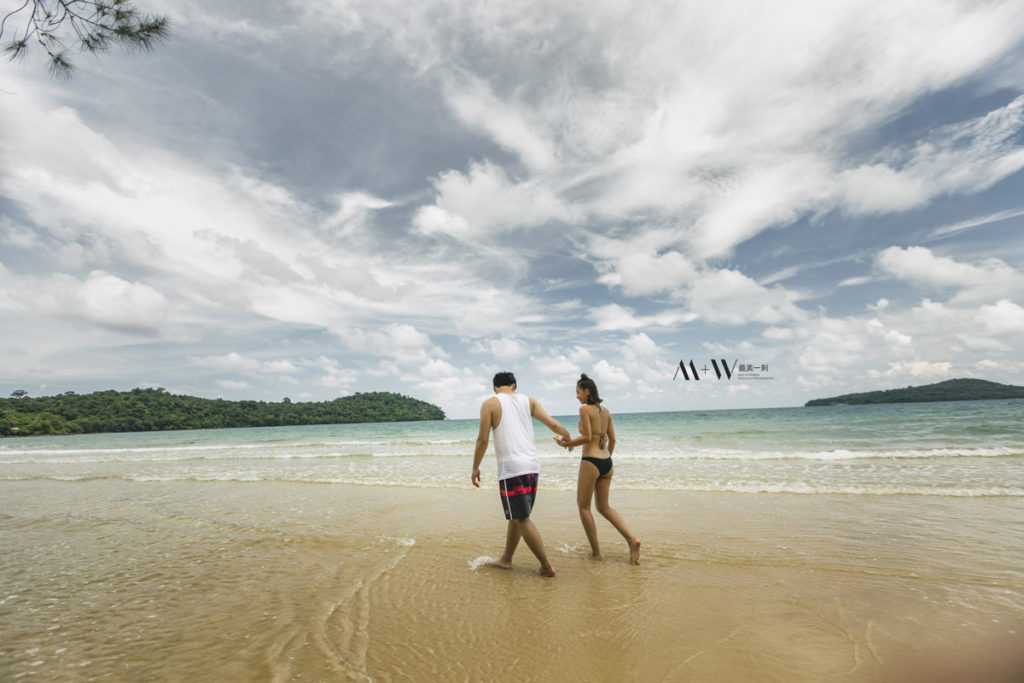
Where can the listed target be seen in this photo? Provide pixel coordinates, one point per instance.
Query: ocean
(967, 448)
(851, 543)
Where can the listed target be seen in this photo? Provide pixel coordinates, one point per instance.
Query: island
(950, 390)
(144, 410)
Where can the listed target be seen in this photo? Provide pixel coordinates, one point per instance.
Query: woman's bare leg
(584, 492)
(602, 489)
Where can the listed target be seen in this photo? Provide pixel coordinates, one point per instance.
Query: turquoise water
(967, 448)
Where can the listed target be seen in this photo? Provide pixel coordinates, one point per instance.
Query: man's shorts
(517, 495)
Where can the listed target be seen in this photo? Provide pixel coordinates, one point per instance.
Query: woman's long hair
(587, 384)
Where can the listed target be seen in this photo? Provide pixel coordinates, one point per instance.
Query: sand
(277, 581)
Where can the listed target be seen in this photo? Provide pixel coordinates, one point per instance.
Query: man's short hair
(504, 379)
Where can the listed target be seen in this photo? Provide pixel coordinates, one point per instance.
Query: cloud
(606, 373)
(506, 349)
(236, 362)
(729, 297)
(1002, 317)
(556, 367)
(876, 188)
(641, 274)
(580, 355)
(920, 266)
(354, 210)
(957, 159)
(506, 121)
(924, 371)
(102, 299)
(756, 198)
(977, 222)
(618, 317)
(406, 345)
(483, 200)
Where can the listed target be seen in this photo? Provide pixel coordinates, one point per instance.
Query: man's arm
(538, 412)
(483, 436)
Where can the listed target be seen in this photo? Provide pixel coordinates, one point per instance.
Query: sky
(309, 200)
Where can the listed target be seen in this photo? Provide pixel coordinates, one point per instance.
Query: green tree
(94, 25)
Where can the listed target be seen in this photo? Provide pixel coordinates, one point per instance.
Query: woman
(597, 436)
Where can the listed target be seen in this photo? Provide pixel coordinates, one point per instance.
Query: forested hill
(141, 410)
(950, 390)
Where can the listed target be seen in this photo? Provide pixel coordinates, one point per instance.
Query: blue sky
(315, 199)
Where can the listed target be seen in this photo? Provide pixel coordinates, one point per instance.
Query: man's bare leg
(512, 537)
(530, 534)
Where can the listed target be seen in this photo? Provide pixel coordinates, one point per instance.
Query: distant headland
(950, 390)
(145, 410)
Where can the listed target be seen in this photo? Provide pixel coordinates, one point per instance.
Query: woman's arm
(611, 436)
(585, 432)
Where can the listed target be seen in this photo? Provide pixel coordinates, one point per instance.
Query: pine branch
(95, 25)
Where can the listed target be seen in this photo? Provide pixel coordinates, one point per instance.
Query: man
(510, 416)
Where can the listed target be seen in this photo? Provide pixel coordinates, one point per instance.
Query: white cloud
(436, 368)
(101, 299)
(876, 188)
(580, 355)
(617, 317)
(641, 274)
(506, 349)
(485, 199)
(606, 373)
(433, 220)
(977, 222)
(400, 341)
(778, 333)
(507, 122)
(236, 362)
(758, 198)
(1002, 317)
(354, 208)
(556, 367)
(922, 267)
(924, 371)
(729, 297)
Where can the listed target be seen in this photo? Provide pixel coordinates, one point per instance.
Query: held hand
(476, 477)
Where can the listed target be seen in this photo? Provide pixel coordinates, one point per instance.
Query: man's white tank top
(514, 443)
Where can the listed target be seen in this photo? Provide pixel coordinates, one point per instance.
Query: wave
(825, 455)
(436, 449)
(566, 485)
(306, 451)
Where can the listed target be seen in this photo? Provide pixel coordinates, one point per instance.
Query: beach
(282, 581)
(249, 555)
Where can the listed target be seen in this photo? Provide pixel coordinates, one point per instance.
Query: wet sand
(280, 581)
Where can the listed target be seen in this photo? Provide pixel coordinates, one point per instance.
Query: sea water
(968, 448)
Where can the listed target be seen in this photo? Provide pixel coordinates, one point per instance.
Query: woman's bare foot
(634, 551)
(596, 556)
(547, 571)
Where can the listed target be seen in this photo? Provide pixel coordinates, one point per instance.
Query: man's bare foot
(596, 556)
(548, 571)
(634, 551)
(499, 564)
